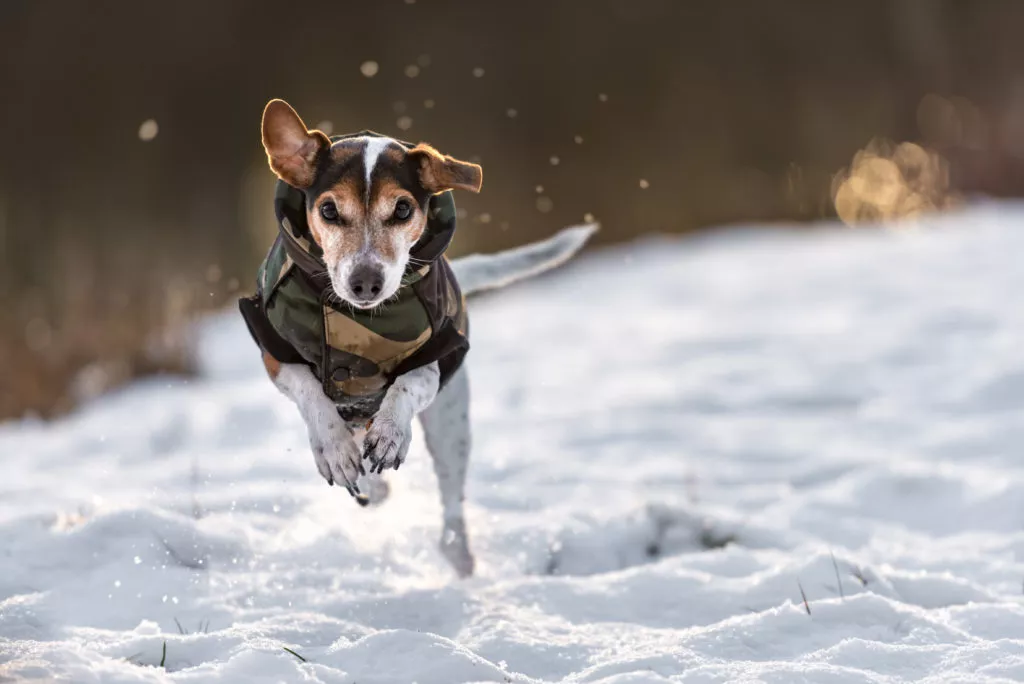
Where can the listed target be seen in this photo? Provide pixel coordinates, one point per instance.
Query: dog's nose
(366, 281)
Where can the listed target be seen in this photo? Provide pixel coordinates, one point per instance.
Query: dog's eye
(403, 210)
(329, 211)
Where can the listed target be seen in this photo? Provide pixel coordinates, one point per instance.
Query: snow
(672, 440)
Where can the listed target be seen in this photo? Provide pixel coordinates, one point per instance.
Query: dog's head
(366, 198)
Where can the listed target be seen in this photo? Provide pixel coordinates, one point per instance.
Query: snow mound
(676, 442)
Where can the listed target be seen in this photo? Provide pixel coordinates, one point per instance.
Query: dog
(359, 315)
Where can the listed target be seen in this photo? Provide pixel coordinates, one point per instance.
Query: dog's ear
(439, 172)
(291, 148)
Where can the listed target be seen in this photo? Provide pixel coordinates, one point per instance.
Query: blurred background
(134, 193)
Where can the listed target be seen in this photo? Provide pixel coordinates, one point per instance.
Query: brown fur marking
(337, 239)
(362, 224)
(272, 365)
(386, 194)
(439, 172)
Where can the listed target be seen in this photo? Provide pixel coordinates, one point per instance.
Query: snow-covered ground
(672, 439)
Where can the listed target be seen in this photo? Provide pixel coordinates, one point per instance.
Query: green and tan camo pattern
(360, 348)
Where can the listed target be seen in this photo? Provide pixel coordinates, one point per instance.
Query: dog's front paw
(386, 443)
(337, 456)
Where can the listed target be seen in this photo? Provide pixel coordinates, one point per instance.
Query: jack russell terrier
(360, 317)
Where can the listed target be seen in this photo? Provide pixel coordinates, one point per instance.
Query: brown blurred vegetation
(651, 115)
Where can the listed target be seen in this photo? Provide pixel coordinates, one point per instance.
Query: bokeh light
(148, 130)
(889, 181)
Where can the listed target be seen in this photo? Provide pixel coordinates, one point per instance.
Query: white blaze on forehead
(371, 153)
(373, 146)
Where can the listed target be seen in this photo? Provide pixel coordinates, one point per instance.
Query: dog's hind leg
(446, 432)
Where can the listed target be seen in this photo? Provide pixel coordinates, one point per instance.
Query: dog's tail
(479, 272)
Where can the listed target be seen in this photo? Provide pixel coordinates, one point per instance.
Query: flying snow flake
(148, 130)
(578, 139)
(478, 72)
(644, 184)
(511, 113)
(369, 68)
(423, 60)
(588, 217)
(544, 204)
(412, 71)
(137, 560)
(326, 126)
(404, 123)
(484, 218)
(602, 97)
(428, 104)
(554, 160)
(539, 189)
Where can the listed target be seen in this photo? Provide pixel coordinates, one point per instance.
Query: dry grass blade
(835, 566)
(807, 606)
(295, 654)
